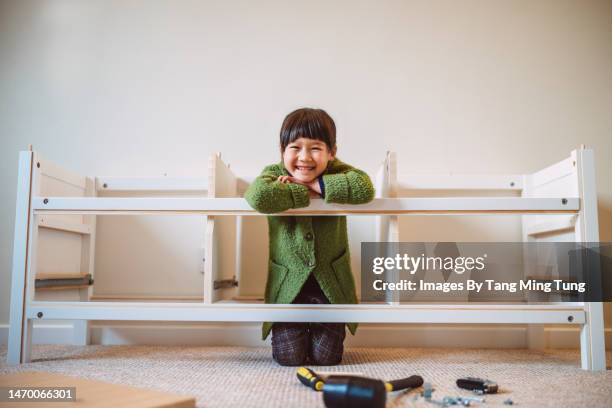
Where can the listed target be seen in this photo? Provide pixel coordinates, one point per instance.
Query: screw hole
(46, 200)
(39, 314)
(38, 164)
(104, 185)
(570, 318)
(512, 184)
(564, 201)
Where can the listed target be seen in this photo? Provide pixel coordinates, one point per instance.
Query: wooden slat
(183, 298)
(61, 275)
(64, 287)
(553, 172)
(52, 170)
(58, 225)
(552, 226)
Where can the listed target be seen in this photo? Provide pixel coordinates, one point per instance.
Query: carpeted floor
(248, 377)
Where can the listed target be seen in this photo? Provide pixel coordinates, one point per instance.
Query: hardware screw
(104, 185)
(46, 200)
(38, 164)
(564, 201)
(570, 318)
(512, 184)
(39, 314)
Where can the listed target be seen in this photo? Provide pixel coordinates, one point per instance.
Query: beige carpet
(248, 377)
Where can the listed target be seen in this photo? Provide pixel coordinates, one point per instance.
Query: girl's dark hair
(309, 123)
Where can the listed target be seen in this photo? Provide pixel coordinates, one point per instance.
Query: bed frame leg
(27, 341)
(20, 344)
(592, 341)
(20, 327)
(82, 332)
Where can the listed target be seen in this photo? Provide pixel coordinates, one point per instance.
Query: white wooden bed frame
(565, 189)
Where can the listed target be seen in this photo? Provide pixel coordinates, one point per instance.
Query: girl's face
(306, 159)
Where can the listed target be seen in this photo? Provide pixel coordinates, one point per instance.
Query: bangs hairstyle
(309, 123)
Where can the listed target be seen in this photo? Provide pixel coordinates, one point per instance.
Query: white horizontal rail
(362, 313)
(151, 184)
(408, 181)
(239, 206)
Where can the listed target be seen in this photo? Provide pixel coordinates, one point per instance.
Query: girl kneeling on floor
(309, 261)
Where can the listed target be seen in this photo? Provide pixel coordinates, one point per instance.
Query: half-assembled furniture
(559, 199)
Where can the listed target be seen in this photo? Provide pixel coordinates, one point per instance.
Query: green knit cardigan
(301, 245)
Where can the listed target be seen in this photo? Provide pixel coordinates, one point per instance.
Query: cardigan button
(308, 236)
(311, 263)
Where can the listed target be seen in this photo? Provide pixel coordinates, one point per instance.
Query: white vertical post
(535, 332)
(82, 332)
(20, 327)
(387, 227)
(592, 341)
(238, 262)
(220, 235)
(382, 191)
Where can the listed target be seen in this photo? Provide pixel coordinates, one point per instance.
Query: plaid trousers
(295, 344)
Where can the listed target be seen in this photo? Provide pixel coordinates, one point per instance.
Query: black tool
(477, 384)
(344, 391)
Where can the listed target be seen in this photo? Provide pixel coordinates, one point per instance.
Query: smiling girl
(309, 260)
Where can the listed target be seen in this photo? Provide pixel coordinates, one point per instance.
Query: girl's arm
(347, 185)
(268, 195)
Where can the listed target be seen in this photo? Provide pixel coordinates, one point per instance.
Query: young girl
(309, 259)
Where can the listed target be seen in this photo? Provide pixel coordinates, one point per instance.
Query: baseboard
(249, 335)
(45, 333)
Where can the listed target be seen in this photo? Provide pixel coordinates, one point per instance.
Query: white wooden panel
(59, 252)
(60, 243)
(255, 251)
(551, 173)
(558, 224)
(54, 171)
(558, 179)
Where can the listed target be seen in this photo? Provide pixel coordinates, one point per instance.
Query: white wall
(146, 88)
